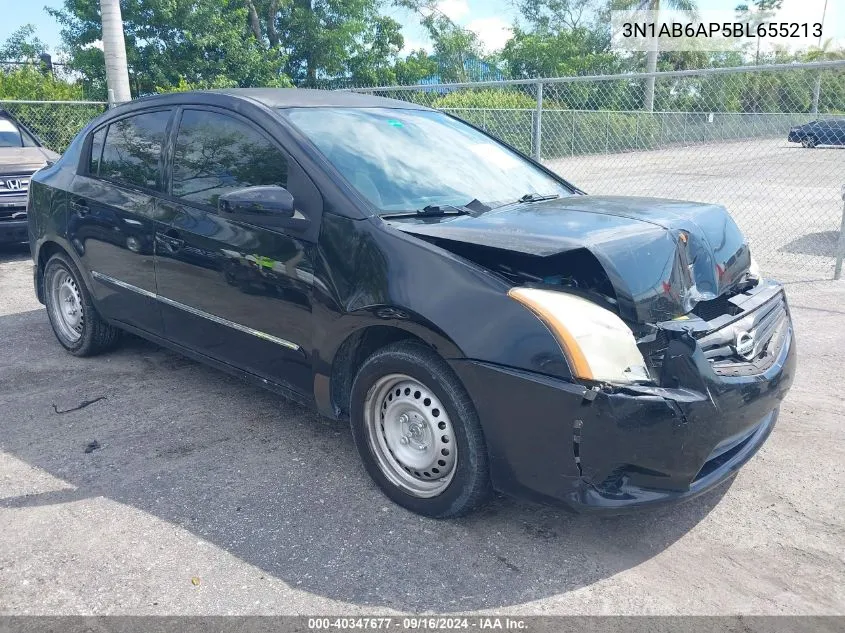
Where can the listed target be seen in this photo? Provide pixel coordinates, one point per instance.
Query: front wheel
(418, 433)
(809, 142)
(75, 321)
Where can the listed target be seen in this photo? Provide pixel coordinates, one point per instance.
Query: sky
(491, 19)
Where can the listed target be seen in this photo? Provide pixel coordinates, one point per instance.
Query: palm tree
(685, 6)
(758, 13)
(114, 50)
(824, 51)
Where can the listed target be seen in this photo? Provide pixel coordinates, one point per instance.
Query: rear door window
(216, 153)
(132, 150)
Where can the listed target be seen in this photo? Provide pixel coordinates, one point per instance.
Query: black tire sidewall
(471, 479)
(85, 342)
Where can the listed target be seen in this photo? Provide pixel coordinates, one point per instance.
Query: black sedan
(814, 133)
(482, 323)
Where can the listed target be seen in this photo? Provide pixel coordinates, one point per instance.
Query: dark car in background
(831, 132)
(21, 154)
(482, 323)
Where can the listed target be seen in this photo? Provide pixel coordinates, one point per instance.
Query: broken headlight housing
(754, 268)
(596, 342)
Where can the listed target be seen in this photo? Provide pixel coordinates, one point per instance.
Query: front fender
(392, 279)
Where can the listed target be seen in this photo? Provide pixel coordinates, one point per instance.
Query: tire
(809, 142)
(418, 433)
(75, 321)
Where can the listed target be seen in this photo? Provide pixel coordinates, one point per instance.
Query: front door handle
(170, 241)
(79, 206)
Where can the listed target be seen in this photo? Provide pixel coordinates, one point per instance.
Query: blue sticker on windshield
(395, 123)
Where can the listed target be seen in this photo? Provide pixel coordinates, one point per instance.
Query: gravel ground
(208, 496)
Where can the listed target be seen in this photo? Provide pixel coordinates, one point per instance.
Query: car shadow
(14, 252)
(281, 488)
(822, 243)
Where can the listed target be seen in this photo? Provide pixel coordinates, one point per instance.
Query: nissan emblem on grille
(744, 345)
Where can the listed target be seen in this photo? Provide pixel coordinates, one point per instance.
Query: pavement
(177, 489)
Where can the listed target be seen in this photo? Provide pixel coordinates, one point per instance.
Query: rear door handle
(78, 205)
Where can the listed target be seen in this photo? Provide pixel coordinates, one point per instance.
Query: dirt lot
(210, 496)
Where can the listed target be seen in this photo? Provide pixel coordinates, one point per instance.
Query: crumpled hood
(661, 256)
(24, 160)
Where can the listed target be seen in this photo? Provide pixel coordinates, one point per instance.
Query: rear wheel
(810, 141)
(75, 321)
(418, 433)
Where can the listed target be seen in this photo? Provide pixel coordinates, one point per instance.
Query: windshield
(12, 136)
(404, 160)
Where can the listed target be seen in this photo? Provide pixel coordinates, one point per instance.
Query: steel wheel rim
(66, 306)
(410, 435)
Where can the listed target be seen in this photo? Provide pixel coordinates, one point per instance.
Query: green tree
(201, 42)
(329, 39)
(27, 83)
(22, 45)
(212, 43)
(557, 15)
(758, 12)
(415, 67)
(375, 64)
(828, 86)
(457, 50)
(685, 6)
(55, 125)
(563, 53)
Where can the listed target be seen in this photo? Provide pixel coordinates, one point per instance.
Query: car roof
(274, 98)
(307, 98)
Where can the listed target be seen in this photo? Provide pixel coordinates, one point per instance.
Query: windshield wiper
(431, 211)
(532, 197)
(473, 208)
(443, 209)
(538, 197)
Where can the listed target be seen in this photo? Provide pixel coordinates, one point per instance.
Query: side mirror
(269, 206)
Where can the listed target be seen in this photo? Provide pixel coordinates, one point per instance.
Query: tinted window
(132, 149)
(96, 151)
(216, 153)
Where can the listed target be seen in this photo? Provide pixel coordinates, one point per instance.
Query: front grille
(12, 213)
(750, 344)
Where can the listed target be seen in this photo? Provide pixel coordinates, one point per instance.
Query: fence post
(837, 271)
(111, 98)
(538, 122)
(637, 133)
(817, 88)
(607, 134)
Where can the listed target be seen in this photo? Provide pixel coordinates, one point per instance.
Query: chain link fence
(55, 123)
(717, 135)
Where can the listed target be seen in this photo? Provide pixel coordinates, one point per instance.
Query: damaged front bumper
(617, 448)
